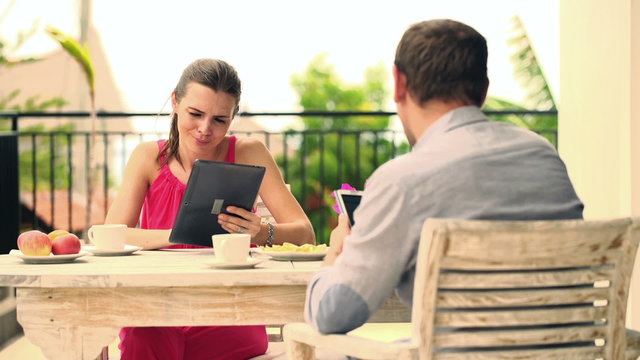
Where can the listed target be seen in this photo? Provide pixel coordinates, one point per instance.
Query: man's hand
(336, 240)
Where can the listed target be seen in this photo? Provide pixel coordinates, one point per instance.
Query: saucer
(49, 259)
(128, 250)
(292, 255)
(248, 264)
(201, 249)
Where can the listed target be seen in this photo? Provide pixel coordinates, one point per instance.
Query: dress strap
(231, 152)
(163, 154)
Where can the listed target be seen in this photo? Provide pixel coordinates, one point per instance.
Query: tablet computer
(213, 186)
(348, 201)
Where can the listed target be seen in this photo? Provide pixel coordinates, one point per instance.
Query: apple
(34, 243)
(55, 233)
(66, 244)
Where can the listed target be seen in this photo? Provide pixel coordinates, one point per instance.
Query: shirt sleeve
(375, 256)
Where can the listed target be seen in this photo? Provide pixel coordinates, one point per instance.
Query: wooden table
(72, 310)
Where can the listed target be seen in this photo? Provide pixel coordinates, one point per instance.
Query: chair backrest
(523, 289)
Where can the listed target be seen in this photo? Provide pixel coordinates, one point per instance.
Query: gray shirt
(465, 167)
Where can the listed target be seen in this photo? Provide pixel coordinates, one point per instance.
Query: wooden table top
(150, 269)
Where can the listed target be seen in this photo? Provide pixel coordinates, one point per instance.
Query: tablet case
(213, 186)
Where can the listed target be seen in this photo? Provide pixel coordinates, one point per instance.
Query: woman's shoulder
(147, 149)
(248, 141)
(249, 144)
(145, 153)
(251, 151)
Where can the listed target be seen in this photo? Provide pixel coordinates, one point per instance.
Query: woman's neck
(187, 158)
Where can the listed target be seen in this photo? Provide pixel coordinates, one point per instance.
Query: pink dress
(159, 211)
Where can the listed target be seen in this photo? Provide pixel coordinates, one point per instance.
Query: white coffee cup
(231, 248)
(108, 236)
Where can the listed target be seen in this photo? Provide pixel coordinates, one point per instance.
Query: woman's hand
(246, 223)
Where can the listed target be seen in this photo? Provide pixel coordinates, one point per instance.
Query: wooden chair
(509, 290)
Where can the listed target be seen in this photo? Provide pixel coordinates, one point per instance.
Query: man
(461, 166)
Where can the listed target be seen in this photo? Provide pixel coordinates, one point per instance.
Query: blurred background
(144, 45)
(317, 87)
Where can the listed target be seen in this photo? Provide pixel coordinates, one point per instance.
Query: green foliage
(50, 144)
(49, 151)
(528, 72)
(8, 101)
(545, 125)
(321, 89)
(527, 69)
(31, 104)
(6, 48)
(79, 52)
(335, 150)
(335, 157)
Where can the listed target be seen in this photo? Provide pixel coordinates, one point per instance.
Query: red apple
(34, 243)
(66, 244)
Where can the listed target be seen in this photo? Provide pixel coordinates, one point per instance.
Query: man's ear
(486, 90)
(400, 85)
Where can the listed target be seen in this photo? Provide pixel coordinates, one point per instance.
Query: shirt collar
(451, 120)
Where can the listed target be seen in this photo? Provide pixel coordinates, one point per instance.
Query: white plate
(293, 255)
(51, 259)
(251, 262)
(187, 249)
(128, 250)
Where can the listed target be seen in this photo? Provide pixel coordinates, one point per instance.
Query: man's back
(469, 167)
(463, 167)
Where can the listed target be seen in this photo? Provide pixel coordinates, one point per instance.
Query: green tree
(49, 154)
(337, 149)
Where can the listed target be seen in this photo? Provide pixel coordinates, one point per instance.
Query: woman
(204, 103)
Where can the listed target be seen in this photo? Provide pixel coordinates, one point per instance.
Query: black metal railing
(50, 165)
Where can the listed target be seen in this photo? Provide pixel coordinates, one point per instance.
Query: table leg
(57, 321)
(70, 343)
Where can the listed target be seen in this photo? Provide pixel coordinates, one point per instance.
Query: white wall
(599, 117)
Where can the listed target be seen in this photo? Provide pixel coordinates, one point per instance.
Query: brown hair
(444, 59)
(215, 74)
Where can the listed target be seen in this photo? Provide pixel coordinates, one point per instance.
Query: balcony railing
(44, 184)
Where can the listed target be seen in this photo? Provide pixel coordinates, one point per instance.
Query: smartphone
(348, 201)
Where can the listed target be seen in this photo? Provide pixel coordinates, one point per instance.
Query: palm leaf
(9, 63)
(528, 72)
(4, 101)
(527, 69)
(79, 52)
(494, 103)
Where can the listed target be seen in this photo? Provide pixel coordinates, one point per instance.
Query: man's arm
(336, 240)
(363, 272)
